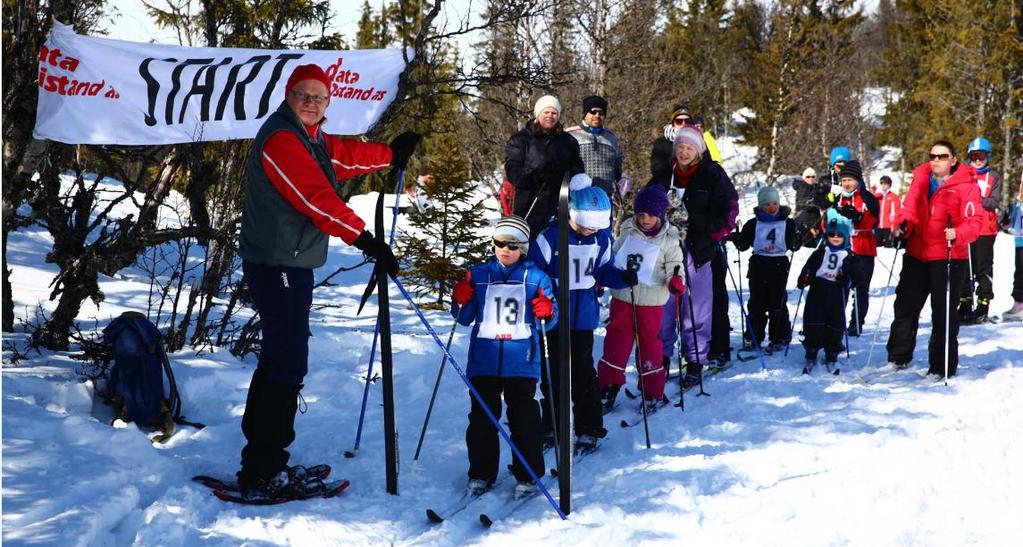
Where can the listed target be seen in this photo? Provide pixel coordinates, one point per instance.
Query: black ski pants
(283, 297)
(920, 280)
(585, 398)
(768, 298)
(482, 438)
(720, 326)
(982, 253)
(1017, 282)
(861, 292)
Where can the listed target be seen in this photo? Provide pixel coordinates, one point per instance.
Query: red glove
(462, 293)
(676, 285)
(543, 308)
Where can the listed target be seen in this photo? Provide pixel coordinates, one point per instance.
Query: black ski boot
(966, 316)
(608, 396)
(980, 314)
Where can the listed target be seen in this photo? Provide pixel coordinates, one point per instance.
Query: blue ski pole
(376, 329)
(479, 399)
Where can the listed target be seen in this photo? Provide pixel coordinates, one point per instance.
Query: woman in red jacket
(940, 217)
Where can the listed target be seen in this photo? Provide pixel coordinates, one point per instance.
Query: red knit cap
(307, 72)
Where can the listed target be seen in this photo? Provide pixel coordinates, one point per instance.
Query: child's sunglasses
(507, 244)
(836, 234)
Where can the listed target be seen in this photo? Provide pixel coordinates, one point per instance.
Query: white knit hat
(809, 172)
(544, 102)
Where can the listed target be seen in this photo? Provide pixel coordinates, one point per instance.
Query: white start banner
(102, 91)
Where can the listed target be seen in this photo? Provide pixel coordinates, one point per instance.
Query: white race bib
(984, 183)
(638, 254)
(769, 239)
(582, 262)
(831, 264)
(504, 312)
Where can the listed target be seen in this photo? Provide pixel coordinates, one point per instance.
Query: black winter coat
(712, 204)
(536, 163)
(768, 266)
(826, 300)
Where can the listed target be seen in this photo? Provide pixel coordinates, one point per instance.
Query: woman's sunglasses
(506, 244)
(941, 157)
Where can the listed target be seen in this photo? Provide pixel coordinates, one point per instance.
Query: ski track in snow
(771, 458)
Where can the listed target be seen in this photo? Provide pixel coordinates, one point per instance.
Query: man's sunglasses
(810, 177)
(596, 112)
(681, 120)
(507, 244)
(941, 157)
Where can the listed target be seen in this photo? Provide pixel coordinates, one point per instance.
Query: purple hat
(652, 200)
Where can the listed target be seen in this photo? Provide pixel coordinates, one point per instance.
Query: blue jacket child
(503, 299)
(591, 262)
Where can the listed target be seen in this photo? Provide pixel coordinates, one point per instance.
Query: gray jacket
(602, 155)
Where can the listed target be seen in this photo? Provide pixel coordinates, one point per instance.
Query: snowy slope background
(772, 458)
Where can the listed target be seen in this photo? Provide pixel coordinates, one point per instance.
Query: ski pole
(792, 329)
(880, 313)
(948, 299)
(639, 365)
(550, 382)
(845, 327)
(738, 260)
(479, 399)
(376, 330)
(745, 317)
(436, 386)
(678, 337)
(973, 278)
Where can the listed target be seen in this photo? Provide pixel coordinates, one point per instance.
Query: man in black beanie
(598, 146)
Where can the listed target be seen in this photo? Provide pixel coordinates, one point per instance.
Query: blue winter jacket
(505, 358)
(585, 310)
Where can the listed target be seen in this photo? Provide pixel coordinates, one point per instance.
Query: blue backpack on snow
(136, 385)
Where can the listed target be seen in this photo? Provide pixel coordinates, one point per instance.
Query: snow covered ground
(771, 458)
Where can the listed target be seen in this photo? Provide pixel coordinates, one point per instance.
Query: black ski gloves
(402, 148)
(380, 252)
(851, 213)
(630, 277)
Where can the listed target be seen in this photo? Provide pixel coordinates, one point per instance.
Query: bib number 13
(506, 310)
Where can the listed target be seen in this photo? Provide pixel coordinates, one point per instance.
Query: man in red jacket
(291, 209)
(890, 204)
(940, 216)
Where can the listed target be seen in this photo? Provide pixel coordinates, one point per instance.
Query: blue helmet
(980, 144)
(839, 153)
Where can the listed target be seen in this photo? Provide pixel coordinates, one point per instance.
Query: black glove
(850, 212)
(402, 148)
(380, 252)
(803, 281)
(630, 277)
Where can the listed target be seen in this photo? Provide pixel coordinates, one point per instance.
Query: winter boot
(966, 316)
(897, 365)
(584, 444)
(811, 362)
(608, 396)
(666, 363)
(1014, 314)
(694, 373)
(477, 487)
(716, 361)
(980, 314)
(283, 485)
(548, 440)
(524, 489)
